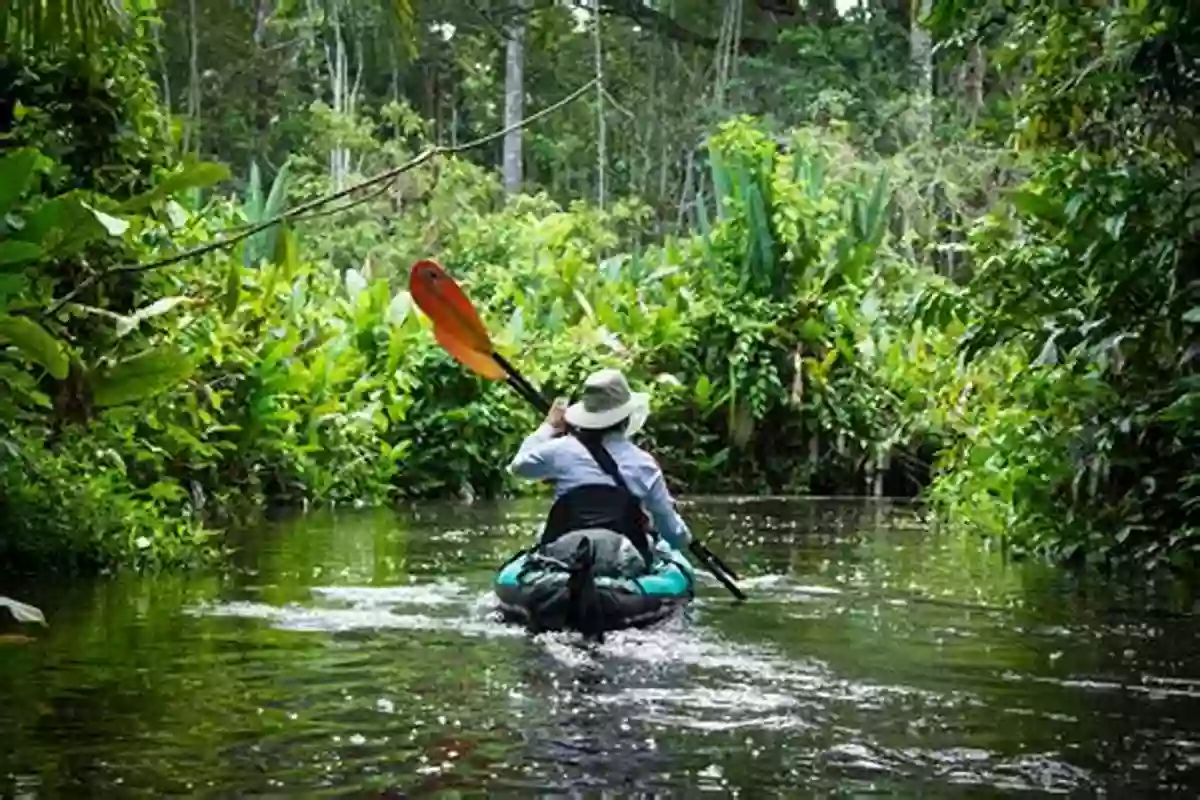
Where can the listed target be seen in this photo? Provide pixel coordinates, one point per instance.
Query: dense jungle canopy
(885, 247)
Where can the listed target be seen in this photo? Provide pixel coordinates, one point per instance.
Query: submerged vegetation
(967, 270)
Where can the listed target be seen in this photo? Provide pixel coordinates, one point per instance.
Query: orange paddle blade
(436, 294)
(481, 363)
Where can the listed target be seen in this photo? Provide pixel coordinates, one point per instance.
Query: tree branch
(666, 25)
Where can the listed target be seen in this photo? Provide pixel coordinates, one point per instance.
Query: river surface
(358, 655)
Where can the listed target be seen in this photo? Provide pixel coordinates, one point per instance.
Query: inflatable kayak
(593, 581)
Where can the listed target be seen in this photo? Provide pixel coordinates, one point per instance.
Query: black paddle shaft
(707, 557)
(523, 387)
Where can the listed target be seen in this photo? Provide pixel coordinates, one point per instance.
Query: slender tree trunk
(882, 464)
(394, 58)
(514, 100)
(165, 72)
(262, 111)
(339, 78)
(727, 50)
(601, 128)
(921, 52)
(973, 81)
(191, 133)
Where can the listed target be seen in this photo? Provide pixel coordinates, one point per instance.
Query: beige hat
(607, 399)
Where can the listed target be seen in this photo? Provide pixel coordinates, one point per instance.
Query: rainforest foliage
(947, 248)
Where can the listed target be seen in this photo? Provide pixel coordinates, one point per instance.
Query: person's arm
(534, 456)
(661, 506)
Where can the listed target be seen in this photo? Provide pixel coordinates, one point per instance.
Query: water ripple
(869, 660)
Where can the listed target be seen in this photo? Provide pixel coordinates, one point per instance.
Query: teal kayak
(543, 590)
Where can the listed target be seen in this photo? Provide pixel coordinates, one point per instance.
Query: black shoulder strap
(604, 459)
(609, 466)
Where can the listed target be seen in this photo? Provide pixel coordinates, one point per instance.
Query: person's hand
(556, 419)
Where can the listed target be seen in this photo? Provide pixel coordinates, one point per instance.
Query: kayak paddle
(458, 328)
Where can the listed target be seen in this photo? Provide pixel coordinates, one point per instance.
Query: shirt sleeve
(534, 458)
(661, 506)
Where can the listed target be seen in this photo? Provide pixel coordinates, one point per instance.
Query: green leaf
(1049, 353)
(177, 214)
(355, 284)
(398, 309)
(286, 254)
(1114, 225)
(584, 304)
(276, 202)
(62, 225)
(516, 326)
(811, 330)
(115, 226)
(285, 260)
(1192, 316)
(36, 344)
(195, 175)
(1036, 205)
(16, 169)
(14, 251)
(148, 373)
(233, 288)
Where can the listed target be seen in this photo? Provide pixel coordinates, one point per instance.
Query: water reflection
(361, 653)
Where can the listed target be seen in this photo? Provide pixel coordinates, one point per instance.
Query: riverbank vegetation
(948, 248)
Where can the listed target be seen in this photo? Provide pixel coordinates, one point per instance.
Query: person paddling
(581, 467)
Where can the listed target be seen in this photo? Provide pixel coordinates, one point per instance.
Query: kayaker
(586, 497)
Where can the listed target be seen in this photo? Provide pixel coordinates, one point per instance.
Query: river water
(357, 655)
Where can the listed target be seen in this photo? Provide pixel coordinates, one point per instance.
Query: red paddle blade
(482, 363)
(436, 294)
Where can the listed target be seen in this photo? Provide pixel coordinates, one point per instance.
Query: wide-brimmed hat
(607, 399)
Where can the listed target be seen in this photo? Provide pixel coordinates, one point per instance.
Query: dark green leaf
(144, 375)
(195, 175)
(276, 205)
(14, 251)
(16, 169)
(62, 226)
(36, 344)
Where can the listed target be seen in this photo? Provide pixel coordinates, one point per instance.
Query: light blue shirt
(565, 462)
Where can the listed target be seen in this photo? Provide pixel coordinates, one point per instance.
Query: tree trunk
(973, 79)
(264, 90)
(921, 52)
(514, 101)
(601, 129)
(191, 133)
